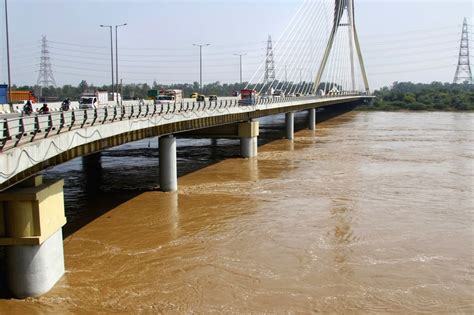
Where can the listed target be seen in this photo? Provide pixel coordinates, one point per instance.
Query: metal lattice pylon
(341, 7)
(463, 70)
(269, 62)
(45, 76)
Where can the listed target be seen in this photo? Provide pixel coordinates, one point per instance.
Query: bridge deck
(30, 144)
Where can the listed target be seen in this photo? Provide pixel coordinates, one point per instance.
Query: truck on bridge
(19, 96)
(93, 99)
(169, 96)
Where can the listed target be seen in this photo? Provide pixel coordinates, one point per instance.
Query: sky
(414, 41)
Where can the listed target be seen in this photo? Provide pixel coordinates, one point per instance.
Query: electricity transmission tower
(341, 7)
(269, 62)
(463, 71)
(45, 76)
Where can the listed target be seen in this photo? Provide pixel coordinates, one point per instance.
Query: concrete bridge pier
(31, 220)
(248, 134)
(312, 119)
(92, 167)
(168, 167)
(290, 125)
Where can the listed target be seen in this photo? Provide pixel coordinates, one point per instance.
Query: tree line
(400, 96)
(140, 90)
(419, 96)
(130, 91)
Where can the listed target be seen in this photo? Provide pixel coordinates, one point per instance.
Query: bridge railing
(18, 130)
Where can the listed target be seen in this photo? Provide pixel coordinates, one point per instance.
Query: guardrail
(18, 130)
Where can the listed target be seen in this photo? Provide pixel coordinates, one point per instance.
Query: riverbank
(436, 96)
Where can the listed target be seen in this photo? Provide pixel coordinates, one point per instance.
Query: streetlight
(240, 55)
(301, 69)
(116, 58)
(111, 55)
(8, 59)
(200, 63)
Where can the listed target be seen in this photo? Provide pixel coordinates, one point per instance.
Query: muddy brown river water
(371, 213)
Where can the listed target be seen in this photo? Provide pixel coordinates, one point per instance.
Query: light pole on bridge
(240, 56)
(200, 63)
(301, 72)
(116, 60)
(111, 55)
(8, 58)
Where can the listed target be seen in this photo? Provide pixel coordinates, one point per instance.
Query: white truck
(94, 99)
(170, 96)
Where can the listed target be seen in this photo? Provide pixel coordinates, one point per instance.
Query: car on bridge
(201, 98)
(278, 93)
(247, 97)
(194, 95)
(212, 97)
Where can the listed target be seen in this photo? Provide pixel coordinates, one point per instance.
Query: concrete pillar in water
(248, 133)
(92, 170)
(31, 220)
(168, 168)
(93, 160)
(312, 119)
(290, 125)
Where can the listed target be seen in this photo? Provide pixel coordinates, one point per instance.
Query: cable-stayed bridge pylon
(316, 53)
(344, 7)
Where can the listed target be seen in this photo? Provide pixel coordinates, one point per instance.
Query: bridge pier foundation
(31, 220)
(290, 125)
(168, 167)
(92, 167)
(312, 119)
(248, 133)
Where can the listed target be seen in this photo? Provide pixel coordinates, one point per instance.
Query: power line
(412, 70)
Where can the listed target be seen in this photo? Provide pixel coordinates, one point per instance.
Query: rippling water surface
(372, 213)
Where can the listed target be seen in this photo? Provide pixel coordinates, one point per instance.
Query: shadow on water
(96, 184)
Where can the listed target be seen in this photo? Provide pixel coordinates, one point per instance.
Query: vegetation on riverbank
(434, 96)
(401, 96)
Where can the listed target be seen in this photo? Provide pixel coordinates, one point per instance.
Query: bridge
(32, 211)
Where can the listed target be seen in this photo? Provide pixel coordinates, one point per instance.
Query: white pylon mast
(341, 7)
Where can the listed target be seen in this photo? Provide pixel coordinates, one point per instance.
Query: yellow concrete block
(33, 214)
(19, 218)
(51, 214)
(249, 129)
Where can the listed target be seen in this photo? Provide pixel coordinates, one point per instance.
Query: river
(371, 213)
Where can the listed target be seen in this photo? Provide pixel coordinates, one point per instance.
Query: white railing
(27, 128)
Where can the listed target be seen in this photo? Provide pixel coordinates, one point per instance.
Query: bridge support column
(92, 167)
(312, 119)
(31, 220)
(248, 133)
(168, 168)
(290, 125)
